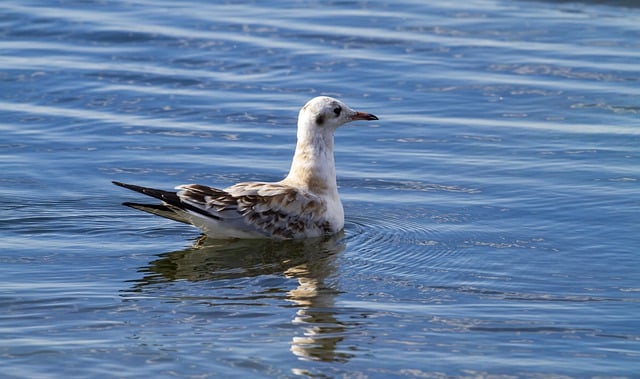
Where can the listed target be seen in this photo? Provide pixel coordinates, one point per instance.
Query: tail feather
(161, 210)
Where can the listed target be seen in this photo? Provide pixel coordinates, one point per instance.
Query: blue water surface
(492, 213)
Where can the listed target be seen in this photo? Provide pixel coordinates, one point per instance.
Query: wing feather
(267, 208)
(243, 210)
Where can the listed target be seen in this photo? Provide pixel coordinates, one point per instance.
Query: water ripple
(396, 245)
(480, 209)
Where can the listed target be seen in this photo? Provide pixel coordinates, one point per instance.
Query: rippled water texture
(491, 213)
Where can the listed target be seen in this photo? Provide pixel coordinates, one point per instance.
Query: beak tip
(365, 116)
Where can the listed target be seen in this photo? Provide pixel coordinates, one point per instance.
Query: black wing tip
(158, 194)
(170, 198)
(132, 187)
(132, 205)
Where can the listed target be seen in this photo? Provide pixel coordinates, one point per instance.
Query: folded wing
(245, 210)
(269, 209)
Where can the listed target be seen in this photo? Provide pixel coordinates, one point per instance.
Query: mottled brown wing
(269, 208)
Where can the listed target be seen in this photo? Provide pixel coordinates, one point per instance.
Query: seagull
(305, 204)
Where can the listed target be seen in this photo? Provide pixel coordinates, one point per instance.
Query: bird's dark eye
(337, 110)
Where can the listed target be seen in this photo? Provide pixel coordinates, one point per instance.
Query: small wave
(397, 245)
(412, 185)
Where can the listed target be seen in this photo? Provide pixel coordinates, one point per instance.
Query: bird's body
(304, 204)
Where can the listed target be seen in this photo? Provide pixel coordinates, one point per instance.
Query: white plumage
(304, 204)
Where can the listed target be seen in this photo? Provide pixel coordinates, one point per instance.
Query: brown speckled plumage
(272, 209)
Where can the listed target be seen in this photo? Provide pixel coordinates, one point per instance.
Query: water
(491, 214)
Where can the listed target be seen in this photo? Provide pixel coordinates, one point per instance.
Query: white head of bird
(313, 164)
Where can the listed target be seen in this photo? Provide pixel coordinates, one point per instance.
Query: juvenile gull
(302, 205)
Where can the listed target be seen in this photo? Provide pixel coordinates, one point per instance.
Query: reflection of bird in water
(316, 314)
(305, 204)
(311, 262)
(210, 259)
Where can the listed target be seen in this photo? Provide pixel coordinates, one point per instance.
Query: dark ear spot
(320, 120)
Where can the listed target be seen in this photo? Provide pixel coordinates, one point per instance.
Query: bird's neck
(313, 165)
